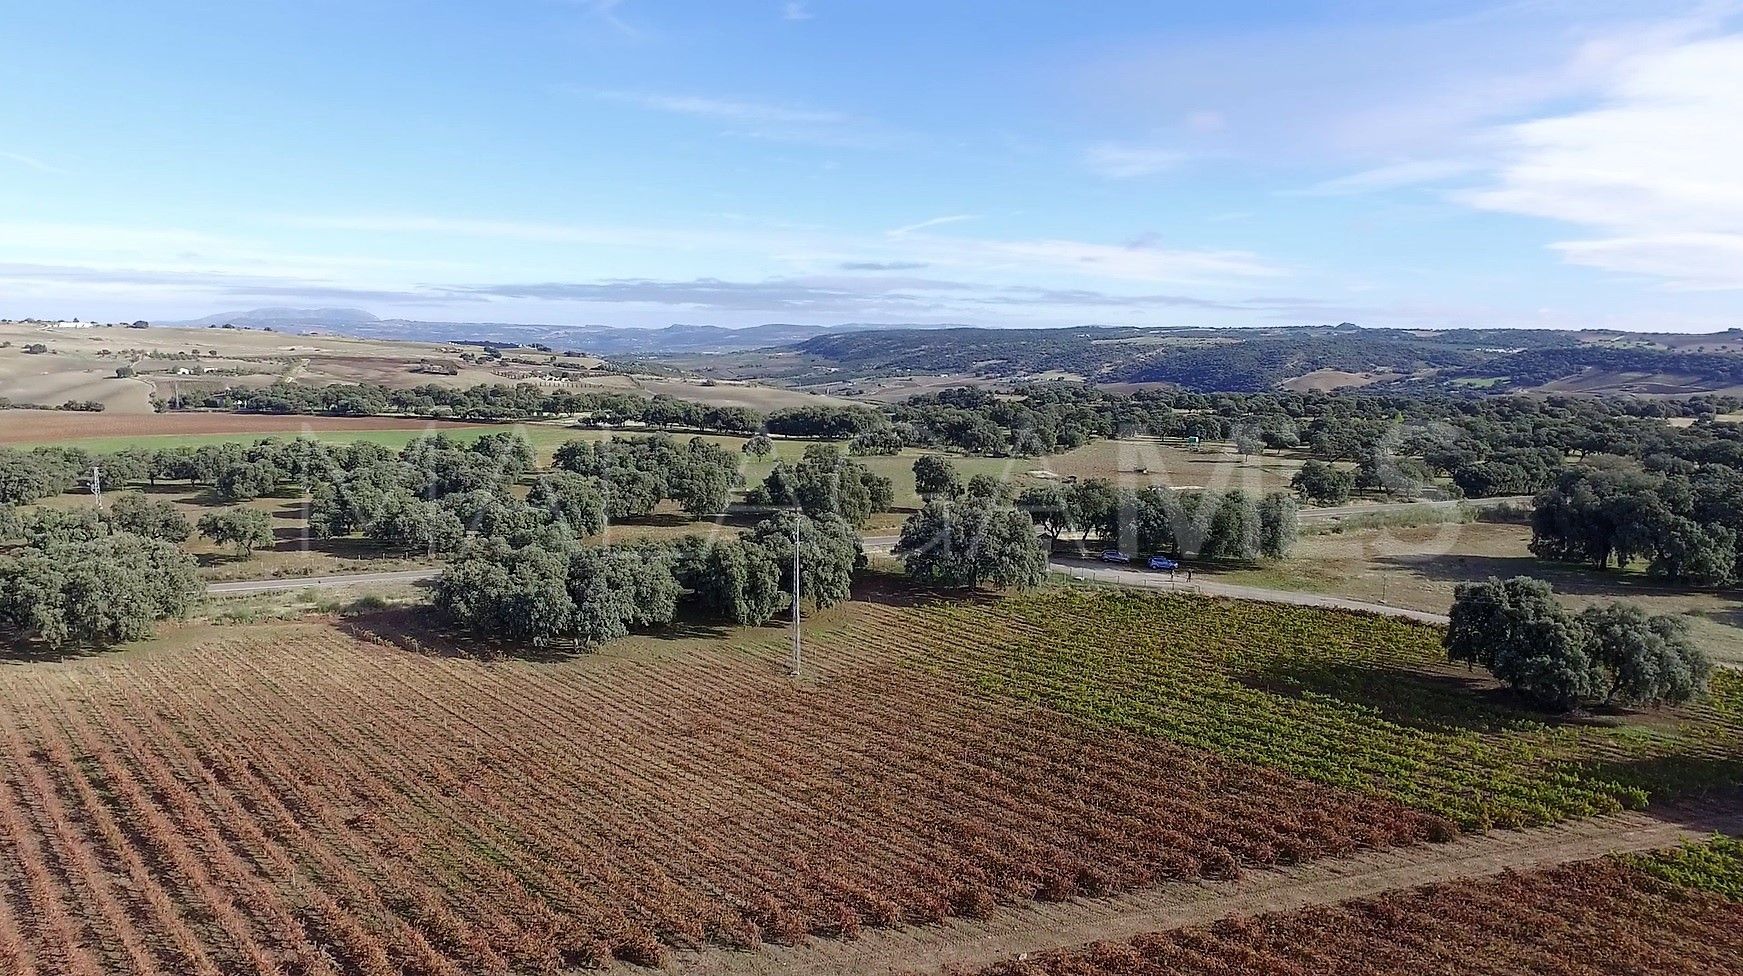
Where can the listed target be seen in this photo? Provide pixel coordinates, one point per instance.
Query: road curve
(1076, 568)
(241, 587)
(1149, 580)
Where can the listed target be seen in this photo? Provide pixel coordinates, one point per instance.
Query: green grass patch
(1715, 866)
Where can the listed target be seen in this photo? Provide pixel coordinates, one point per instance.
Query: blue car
(1163, 562)
(1115, 556)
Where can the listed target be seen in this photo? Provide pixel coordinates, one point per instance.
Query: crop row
(1592, 917)
(315, 804)
(1358, 702)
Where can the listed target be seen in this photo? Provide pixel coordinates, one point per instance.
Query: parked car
(1115, 556)
(1163, 562)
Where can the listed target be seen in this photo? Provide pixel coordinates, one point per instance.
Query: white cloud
(1410, 172)
(1121, 162)
(930, 222)
(725, 109)
(1397, 84)
(606, 10)
(762, 120)
(1651, 169)
(1109, 261)
(30, 162)
(795, 10)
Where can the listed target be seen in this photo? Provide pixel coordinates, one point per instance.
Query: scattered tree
(972, 541)
(1322, 484)
(133, 512)
(242, 529)
(95, 592)
(1617, 653)
(935, 477)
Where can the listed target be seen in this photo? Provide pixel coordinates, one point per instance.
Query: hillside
(597, 340)
(1248, 360)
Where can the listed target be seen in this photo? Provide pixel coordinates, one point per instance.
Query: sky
(1534, 163)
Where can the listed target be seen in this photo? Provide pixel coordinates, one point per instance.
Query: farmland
(107, 432)
(1608, 915)
(1418, 567)
(82, 364)
(300, 786)
(364, 796)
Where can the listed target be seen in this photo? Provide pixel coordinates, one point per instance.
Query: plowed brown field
(1591, 917)
(52, 426)
(297, 800)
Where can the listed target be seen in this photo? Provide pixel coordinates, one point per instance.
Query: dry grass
(1418, 567)
(1138, 462)
(65, 427)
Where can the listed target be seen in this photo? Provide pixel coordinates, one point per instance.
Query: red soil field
(50, 426)
(298, 800)
(1590, 917)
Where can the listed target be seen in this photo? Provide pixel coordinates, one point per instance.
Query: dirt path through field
(1014, 930)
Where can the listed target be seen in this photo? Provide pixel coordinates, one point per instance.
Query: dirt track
(1014, 930)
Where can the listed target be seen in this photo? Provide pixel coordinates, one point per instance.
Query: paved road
(1152, 580)
(318, 582)
(1345, 511)
(1078, 568)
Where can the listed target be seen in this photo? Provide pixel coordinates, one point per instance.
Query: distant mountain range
(1327, 357)
(598, 340)
(1301, 358)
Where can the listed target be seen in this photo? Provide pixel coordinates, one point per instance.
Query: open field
(1609, 915)
(81, 364)
(1139, 462)
(966, 945)
(364, 797)
(1419, 567)
(218, 802)
(105, 431)
(1135, 462)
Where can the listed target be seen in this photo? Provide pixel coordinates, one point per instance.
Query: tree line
(557, 591)
(1684, 521)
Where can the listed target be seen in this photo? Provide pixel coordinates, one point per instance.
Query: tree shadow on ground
(19, 650)
(1567, 578)
(897, 590)
(1430, 699)
(1699, 789)
(1727, 617)
(423, 629)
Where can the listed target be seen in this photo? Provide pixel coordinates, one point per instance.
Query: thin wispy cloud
(724, 109)
(1123, 162)
(795, 10)
(882, 265)
(607, 12)
(931, 222)
(1392, 176)
(775, 121)
(29, 162)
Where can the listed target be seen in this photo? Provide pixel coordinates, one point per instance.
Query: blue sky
(1525, 163)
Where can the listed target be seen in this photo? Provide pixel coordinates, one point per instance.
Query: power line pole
(797, 653)
(97, 484)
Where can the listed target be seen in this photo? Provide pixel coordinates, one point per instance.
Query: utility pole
(97, 484)
(796, 646)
